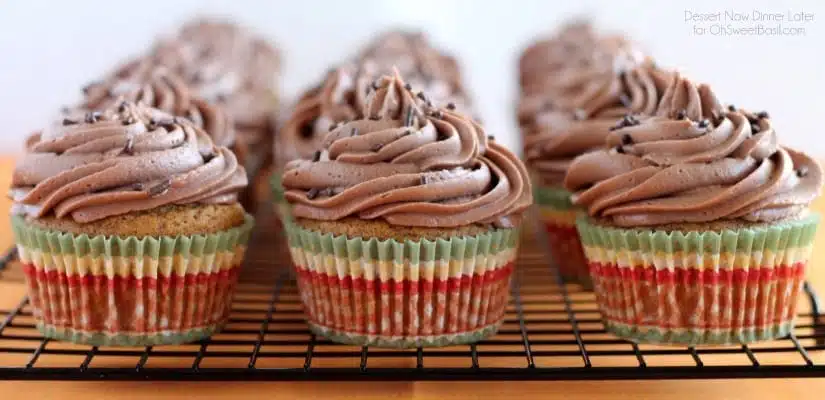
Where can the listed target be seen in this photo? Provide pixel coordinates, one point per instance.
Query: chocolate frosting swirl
(225, 65)
(417, 59)
(582, 117)
(162, 90)
(411, 165)
(694, 162)
(576, 47)
(341, 97)
(122, 160)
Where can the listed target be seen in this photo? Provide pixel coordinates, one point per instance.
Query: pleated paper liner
(279, 203)
(403, 294)
(129, 291)
(699, 288)
(558, 219)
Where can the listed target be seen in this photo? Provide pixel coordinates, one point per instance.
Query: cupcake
(698, 230)
(583, 108)
(405, 225)
(222, 64)
(342, 93)
(128, 227)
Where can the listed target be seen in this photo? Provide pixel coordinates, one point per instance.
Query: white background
(49, 49)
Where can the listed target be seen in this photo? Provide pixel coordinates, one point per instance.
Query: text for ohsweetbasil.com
(750, 22)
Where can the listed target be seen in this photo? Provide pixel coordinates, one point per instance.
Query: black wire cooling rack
(552, 331)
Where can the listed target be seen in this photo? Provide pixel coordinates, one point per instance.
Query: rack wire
(552, 331)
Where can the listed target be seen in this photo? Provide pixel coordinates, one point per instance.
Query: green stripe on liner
(454, 248)
(696, 337)
(782, 235)
(405, 342)
(552, 196)
(56, 242)
(276, 187)
(123, 339)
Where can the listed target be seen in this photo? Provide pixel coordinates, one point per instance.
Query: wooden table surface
(672, 389)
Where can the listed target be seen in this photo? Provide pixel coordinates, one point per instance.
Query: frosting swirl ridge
(581, 120)
(121, 160)
(160, 89)
(410, 164)
(694, 162)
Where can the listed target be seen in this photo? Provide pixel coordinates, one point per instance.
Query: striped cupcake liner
(128, 291)
(699, 288)
(558, 218)
(403, 294)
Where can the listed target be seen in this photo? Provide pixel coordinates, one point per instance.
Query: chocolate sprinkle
(451, 106)
(307, 130)
(421, 96)
(130, 146)
(704, 123)
(122, 107)
(313, 193)
(316, 156)
(92, 117)
(491, 138)
(627, 139)
(763, 114)
(717, 118)
(408, 116)
(407, 86)
(629, 120)
(802, 172)
(160, 188)
(682, 114)
(89, 87)
(732, 108)
(67, 121)
(437, 114)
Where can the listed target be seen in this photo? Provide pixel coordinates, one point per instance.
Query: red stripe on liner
(424, 285)
(694, 275)
(41, 275)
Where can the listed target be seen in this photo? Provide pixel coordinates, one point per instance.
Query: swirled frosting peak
(583, 116)
(124, 159)
(158, 88)
(410, 164)
(694, 162)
